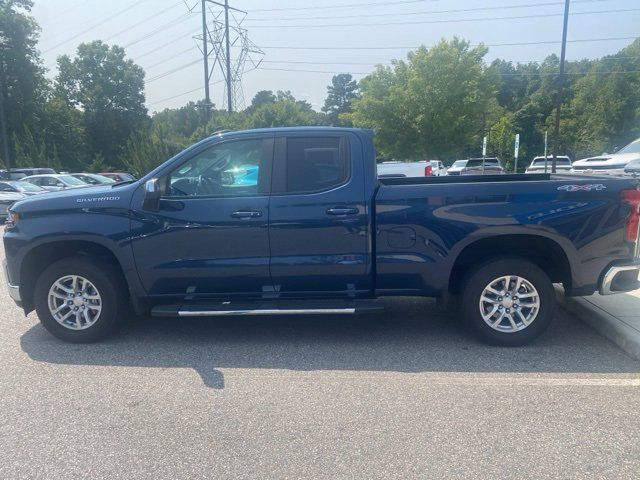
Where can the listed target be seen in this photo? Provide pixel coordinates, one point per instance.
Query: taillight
(428, 170)
(632, 198)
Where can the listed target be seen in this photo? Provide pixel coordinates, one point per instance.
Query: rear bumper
(14, 290)
(620, 278)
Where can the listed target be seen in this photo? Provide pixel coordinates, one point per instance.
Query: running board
(276, 308)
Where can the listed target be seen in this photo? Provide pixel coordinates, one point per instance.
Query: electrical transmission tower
(226, 46)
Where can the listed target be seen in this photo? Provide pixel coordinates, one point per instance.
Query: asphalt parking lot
(405, 394)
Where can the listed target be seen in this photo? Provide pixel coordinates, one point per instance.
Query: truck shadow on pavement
(413, 335)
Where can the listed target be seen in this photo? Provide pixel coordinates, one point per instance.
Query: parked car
(609, 164)
(119, 177)
(55, 182)
(27, 172)
(93, 178)
(422, 168)
(7, 199)
(7, 175)
(476, 166)
(318, 233)
(563, 164)
(18, 186)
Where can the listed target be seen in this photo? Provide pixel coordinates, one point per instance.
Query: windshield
(476, 162)
(559, 161)
(633, 147)
(69, 180)
(459, 163)
(25, 186)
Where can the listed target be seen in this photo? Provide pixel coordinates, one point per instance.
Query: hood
(78, 198)
(604, 160)
(11, 196)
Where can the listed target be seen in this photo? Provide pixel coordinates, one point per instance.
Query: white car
(55, 182)
(609, 164)
(563, 164)
(422, 168)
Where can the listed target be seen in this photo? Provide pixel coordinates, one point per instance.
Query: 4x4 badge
(587, 188)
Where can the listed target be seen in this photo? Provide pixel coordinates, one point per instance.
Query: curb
(611, 327)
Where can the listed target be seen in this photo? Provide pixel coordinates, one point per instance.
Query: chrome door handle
(246, 214)
(341, 211)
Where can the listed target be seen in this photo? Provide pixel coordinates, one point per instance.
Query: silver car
(7, 199)
(563, 164)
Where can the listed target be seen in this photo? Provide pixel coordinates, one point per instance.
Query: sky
(306, 42)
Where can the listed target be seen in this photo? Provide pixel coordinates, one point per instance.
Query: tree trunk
(4, 137)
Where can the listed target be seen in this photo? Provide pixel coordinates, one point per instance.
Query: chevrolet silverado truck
(295, 221)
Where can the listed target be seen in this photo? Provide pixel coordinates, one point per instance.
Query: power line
(143, 21)
(526, 74)
(512, 44)
(370, 64)
(179, 54)
(379, 63)
(96, 25)
(351, 5)
(190, 91)
(161, 28)
(459, 20)
(424, 12)
(164, 45)
(172, 71)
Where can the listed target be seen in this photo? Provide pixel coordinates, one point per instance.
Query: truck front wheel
(80, 299)
(508, 302)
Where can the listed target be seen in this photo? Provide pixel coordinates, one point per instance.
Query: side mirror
(152, 195)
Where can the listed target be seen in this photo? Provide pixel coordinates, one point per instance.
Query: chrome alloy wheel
(509, 304)
(74, 302)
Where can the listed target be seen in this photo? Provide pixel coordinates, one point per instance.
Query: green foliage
(500, 143)
(437, 103)
(433, 105)
(340, 95)
(109, 89)
(22, 83)
(146, 150)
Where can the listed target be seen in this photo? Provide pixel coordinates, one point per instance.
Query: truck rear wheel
(508, 302)
(80, 299)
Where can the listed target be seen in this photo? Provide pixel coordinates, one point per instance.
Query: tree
(109, 89)
(260, 98)
(340, 94)
(284, 111)
(436, 104)
(22, 83)
(500, 141)
(146, 150)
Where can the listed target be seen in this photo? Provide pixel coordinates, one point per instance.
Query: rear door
(318, 220)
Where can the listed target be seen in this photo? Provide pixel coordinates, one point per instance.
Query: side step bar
(267, 311)
(311, 307)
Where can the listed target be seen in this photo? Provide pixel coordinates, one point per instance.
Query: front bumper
(620, 278)
(14, 290)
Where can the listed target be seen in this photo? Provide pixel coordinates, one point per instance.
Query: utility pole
(228, 48)
(3, 124)
(227, 71)
(556, 141)
(205, 54)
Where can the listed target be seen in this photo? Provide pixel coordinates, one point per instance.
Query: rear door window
(312, 164)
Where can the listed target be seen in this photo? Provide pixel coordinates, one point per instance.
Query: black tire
(478, 280)
(109, 283)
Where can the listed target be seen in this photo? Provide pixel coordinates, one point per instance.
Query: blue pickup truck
(295, 221)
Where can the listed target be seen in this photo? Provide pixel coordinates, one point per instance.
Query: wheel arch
(38, 258)
(545, 252)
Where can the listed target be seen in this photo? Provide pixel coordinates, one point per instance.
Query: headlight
(12, 218)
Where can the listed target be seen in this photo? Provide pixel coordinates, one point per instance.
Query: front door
(210, 236)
